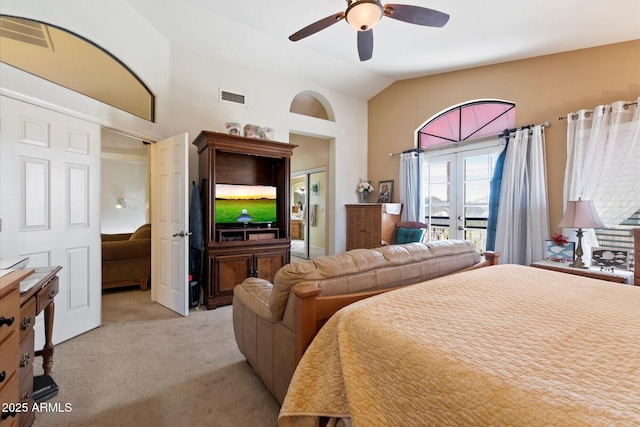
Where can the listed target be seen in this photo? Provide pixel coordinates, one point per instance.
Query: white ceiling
(480, 32)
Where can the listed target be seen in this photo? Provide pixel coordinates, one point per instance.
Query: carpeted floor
(147, 366)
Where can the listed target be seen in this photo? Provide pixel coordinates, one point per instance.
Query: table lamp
(580, 214)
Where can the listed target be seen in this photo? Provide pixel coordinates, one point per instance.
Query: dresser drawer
(10, 395)
(46, 294)
(26, 396)
(27, 318)
(26, 354)
(9, 313)
(8, 359)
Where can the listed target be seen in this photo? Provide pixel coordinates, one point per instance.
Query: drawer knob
(26, 322)
(25, 397)
(5, 321)
(24, 360)
(6, 415)
(3, 375)
(52, 293)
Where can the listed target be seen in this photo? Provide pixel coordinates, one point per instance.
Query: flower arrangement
(559, 239)
(365, 186)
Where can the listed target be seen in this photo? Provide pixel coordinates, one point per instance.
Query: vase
(363, 197)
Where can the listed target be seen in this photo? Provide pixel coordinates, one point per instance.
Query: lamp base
(578, 261)
(578, 264)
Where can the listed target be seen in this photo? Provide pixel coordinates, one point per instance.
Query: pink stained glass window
(468, 121)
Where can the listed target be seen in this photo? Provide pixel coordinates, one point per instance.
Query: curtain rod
(575, 115)
(471, 141)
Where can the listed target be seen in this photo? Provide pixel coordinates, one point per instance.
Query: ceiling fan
(363, 15)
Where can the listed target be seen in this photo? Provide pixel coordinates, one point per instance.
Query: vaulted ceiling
(255, 33)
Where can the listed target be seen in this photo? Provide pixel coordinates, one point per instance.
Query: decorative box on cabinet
(368, 224)
(233, 253)
(10, 346)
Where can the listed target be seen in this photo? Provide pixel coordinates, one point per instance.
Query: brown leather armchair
(126, 258)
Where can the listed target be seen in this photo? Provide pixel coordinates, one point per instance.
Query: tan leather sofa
(126, 258)
(264, 313)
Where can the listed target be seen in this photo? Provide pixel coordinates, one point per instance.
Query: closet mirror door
(308, 221)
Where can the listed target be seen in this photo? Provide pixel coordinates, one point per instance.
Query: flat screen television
(238, 204)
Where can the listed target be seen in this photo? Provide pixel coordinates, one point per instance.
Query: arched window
(73, 62)
(467, 121)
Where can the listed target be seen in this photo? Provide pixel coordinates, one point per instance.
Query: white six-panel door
(50, 207)
(170, 222)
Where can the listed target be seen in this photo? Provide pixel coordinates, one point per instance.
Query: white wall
(186, 84)
(126, 179)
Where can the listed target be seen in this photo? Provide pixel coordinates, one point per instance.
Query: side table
(618, 276)
(37, 294)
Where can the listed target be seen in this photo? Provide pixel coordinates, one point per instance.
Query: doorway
(308, 207)
(124, 198)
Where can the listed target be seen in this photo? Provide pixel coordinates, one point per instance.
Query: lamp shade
(581, 214)
(363, 15)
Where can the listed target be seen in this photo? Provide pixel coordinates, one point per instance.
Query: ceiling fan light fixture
(363, 15)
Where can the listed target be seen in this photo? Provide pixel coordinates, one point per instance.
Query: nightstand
(618, 276)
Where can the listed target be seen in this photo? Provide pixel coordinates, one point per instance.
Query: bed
(504, 345)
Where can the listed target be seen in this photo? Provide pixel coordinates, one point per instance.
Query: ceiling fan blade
(365, 45)
(316, 26)
(416, 15)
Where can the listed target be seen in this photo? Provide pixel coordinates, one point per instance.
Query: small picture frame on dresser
(618, 259)
(559, 253)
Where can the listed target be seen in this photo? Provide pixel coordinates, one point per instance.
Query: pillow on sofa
(409, 235)
(143, 232)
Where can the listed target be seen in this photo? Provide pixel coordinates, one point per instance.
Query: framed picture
(315, 187)
(564, 253)
(385, 189)
(617, 259)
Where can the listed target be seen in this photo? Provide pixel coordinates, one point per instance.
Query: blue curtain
(494, 199)
(411, 188)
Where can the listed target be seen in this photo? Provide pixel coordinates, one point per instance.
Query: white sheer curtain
(523, 213)
(411, 188)
(603, 162)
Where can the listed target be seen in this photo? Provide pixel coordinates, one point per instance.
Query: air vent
(233, 98)
(22, 30)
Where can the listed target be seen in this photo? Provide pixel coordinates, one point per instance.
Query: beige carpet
(147, 366)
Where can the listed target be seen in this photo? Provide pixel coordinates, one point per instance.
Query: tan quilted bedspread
(502, 346)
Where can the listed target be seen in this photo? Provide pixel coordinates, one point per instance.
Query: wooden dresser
(9, 348)
(18, 313)
(368, 224)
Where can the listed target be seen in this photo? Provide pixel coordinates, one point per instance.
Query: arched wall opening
(312, 104)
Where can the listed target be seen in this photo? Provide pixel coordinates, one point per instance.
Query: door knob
(182, 234)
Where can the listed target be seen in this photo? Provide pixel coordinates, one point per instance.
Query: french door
(457, 193)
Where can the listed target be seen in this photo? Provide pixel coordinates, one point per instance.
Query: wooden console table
(37, 293)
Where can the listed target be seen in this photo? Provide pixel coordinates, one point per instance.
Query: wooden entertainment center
(234, 252)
